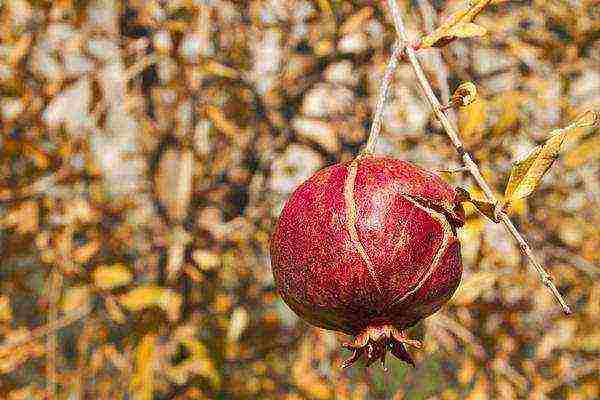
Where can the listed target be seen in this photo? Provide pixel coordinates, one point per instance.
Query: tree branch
(42, 331)
(383, 93)
(466, 158)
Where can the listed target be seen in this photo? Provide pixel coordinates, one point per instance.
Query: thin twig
(466, 158)
(383, 93)
(40, 332)
(83, 345)
(440, 69)
(51, 339)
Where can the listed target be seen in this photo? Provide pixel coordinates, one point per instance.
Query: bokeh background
(147, 148)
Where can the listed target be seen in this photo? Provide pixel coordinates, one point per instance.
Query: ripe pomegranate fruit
(369, 248)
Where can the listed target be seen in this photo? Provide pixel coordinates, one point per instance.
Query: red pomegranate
(369, 248)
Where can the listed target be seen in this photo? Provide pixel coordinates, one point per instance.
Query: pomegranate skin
(369, 248)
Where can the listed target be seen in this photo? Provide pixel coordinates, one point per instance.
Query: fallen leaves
(143, 297)
(109, 277)
(142, 382)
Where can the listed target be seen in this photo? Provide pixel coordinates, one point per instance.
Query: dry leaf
(174, 182)
(487, 209)
(142, 382)
(114, 311)
(206, 260)
(467, 30)
(108, 277)
(472, 119)
(153, 296)
(5, 310)
(465, 94)
(528, 171)
(459, 24)
(237, 324)
(197, 363)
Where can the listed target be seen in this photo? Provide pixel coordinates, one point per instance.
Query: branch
(51, 338)
(383, 93)
(466, 158)
(42, 331)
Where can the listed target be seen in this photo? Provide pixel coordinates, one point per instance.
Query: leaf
(114, 311)
(527, 172)
(198, 363)
(458, 24)
(237, 324)
(472, 118)
(142, 381)
(153, 296)
(487, 209)
(465, 94)
(467, 30)
(5, 310)
(520, 169)
(108, 277)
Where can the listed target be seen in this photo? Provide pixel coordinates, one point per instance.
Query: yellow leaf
(111, 276)
(467, 30)
(197, 361)
(481, 389)
(519, 170)
(142, 381)
(215, 68)
(153, 296)
(487, 209)
(508, 105)
(5, 310)
(472, 118)
(528, 171)
(458, 24)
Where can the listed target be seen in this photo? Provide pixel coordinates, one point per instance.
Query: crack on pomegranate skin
(448, 234)
(352, 216)
(374, 343)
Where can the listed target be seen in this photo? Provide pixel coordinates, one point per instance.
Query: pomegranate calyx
(375, 341)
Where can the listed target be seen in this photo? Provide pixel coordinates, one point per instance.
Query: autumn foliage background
(147, 148)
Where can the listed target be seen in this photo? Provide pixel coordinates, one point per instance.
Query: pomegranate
(369, 248)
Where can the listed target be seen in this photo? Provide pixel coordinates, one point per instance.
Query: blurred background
(147, 148)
